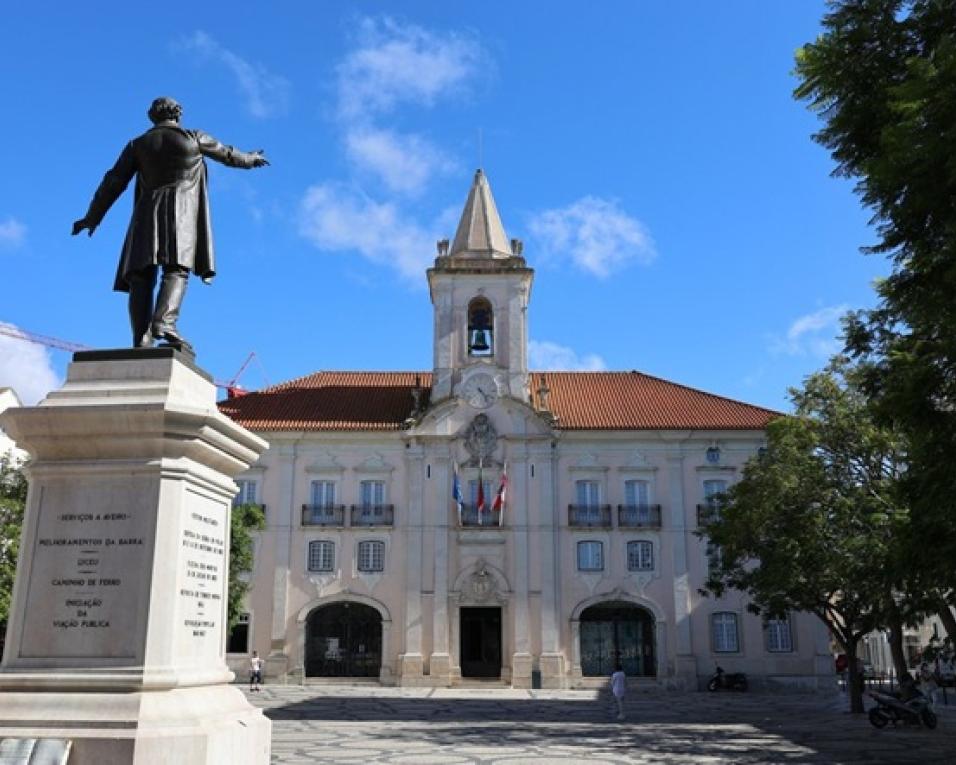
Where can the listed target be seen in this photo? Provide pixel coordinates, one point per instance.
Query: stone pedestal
(117, 630)
(440, 669)
(413, 670)
(552, 670)
(521, 665)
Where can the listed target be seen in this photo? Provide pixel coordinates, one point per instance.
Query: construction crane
(232, 387)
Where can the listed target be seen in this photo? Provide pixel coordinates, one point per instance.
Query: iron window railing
(707, 513)
(639, 516)
(589, 515)
(372, 515)
(323, 515)
(487, 517)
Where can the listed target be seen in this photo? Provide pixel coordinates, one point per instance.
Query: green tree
(13, 498)
(882, 77)
(814, 521)
(244, 520)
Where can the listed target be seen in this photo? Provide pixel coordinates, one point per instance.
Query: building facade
(481, 520)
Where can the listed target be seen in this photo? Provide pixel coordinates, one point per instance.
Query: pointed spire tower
(480, 286)
(480, 233)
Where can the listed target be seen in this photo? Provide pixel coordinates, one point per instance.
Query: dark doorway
(614, 632)
(343, 640)
(481, 642)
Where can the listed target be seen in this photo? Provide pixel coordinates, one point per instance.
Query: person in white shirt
(618, 687)
(255, 672)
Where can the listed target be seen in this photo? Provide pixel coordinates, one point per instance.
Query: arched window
(480, 328)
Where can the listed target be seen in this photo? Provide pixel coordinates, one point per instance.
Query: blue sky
(680, 219)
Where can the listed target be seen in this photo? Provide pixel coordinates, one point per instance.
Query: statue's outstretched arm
(229, 155)
(113, 184)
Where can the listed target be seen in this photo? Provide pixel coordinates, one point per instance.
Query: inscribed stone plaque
(89, 575)
(202, 578)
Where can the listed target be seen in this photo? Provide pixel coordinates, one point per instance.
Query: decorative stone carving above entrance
(481, 438)
(481, 587)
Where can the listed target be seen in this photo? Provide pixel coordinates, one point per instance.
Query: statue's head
(165, 108)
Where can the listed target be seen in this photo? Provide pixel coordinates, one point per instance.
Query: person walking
(927, 683)
(255, 672)
(618, 687)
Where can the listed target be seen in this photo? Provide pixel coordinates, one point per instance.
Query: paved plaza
(371, 724)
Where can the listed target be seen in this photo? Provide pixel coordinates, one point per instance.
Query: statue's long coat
(170, 223)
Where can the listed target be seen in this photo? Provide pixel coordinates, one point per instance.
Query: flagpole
(480, 500)
(504, 492)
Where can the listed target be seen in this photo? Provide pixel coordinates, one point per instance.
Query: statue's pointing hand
(81, 224)
(259, 159)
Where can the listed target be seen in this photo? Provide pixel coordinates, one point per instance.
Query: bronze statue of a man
(170, 226)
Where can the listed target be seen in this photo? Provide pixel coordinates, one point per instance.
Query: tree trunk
(896, 644)
(948, 620)
(854, 678)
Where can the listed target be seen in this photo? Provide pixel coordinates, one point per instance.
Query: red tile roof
(372, 401)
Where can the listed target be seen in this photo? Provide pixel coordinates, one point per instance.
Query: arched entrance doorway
(343, 640)
(617, 631)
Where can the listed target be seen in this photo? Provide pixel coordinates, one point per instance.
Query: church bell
(479, 340)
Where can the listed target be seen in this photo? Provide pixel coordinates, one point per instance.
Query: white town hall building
(369, 567)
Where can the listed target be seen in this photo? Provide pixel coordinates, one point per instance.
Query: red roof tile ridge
(690, 388)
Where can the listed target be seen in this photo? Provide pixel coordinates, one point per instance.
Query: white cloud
(406, 163)
(546, 356)
(815, 334)
(336, 218)
(26, 368)
(595, 234)
(266, 94)
(396, 62)
(12, 233)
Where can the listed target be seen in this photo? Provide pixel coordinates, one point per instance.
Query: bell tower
(480, 287)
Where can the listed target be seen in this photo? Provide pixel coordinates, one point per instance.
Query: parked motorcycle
(727, 681)
(915, 710)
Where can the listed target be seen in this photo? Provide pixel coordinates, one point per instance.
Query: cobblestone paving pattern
(424, 726)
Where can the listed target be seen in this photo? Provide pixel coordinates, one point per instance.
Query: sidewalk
(422, 726)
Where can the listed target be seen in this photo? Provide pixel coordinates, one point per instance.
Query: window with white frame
(779, 637)
(715, 556)
(247, 493)
(321, 555)
(323, 493)
(486, 492)
(637, 493)
(590, 556)
(372, 493)
(371, 556)
(723, 627)
(640, 556)
(712, 489)
(587, 493)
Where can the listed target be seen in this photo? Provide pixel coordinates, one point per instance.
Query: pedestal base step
(192, 726)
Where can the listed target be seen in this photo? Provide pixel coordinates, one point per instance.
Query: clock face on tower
(480, 390)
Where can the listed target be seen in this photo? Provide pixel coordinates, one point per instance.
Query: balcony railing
(487, 517)
(323, 515)
(589, 515)
(707, 513)
(372, 515)
(639, 516)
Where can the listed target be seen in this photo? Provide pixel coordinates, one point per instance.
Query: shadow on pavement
(686, 727)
